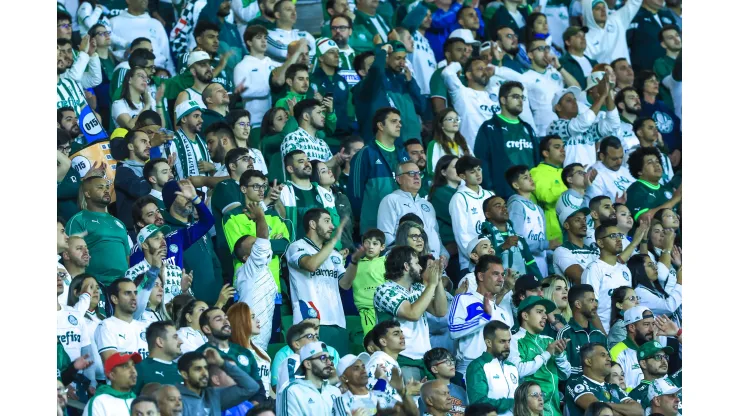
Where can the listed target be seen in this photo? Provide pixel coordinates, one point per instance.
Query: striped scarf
(187, 158)
(182, 30)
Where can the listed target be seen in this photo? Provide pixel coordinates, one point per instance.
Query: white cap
(594, 79)
(349, 360)
(464, 34)
(308, 351)
(635, 314)
(560, 94)
(473, 244)
(198, 56)
(662, 386)
(185, 108)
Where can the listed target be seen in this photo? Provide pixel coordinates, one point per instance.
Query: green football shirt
(643, 196)
(604, 392)
(152, 370)
(107, 242)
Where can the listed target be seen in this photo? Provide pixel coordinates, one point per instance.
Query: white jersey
(279, 39)
(629, 140)
(423, 62)
(256, 287)
(572, 200)
(580, 134)
(107, 405)
(608, 182)
(379, 358)
(528, 220)
(263, 366)
(191, 339)
(314, 147)
(315, 294)
(605, 44)
(120, 336)
(542, 88)
(466, 207)
(605, 278)
(72, 331)
(399, 203)
(70, 94)
(196, 96)
(388, 299)
(254, 74)
(91, 322)
(569, 254)
(466, 321)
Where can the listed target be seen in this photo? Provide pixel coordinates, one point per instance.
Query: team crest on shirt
(243, 360)
(362, 36)
(72, 320)
(478, 227)
(580, 388)
(142, 335)
(668, 194)
(174, 248)
(328, 197)
(312, 313)
(626, 276)
(663, 122)
(341, 86)
(513, 378)
(425, 207)
(556, 77)
(335, 260)
(318, 199)
(607, 395)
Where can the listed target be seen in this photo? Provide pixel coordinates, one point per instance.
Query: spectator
(622, 299)
(296, 86)
(191, 152)
(651, 292)
(648, 195)
(135, 22)
(188, 326)
(547, 177)
(472, 311)
(666, 121)
(83, 66)
(366, 24)
(68, 122)
(64, 24)
(602, 211)
(199, 66)
(488, 383)
(169, 401)
(592, 387)
(545, 367)
(529, 400)
(311, 115)
(665, 397)
(246, 326)
(580, 331)
(417, 154)
(508, 41)
(241, 124)
(605, 39)
(79, 287)
(118, 395)
(444, 186)
(577, 180)
(446, 139)
(76, 257)
(418, 21)
(613, 178)
(266, 15)
(625, 76)
(130, 183)
(352, 145)
(144, 405)
(135, 99)
(122, 295)
(440, 363)
(617, 376)
(299, 195)
(505, 140)
(455, 51)
(328, 82)
(436, 397)
(154, 303)
(73, 334)
(654, 367)
(283, 33)
(164, 348)
(254, 72)
(287, 359)
(157, 172)
(370, 275)
(195, 392)
(470, 18)
(69, 91)
(572, 258)
(314, 258)
(353, 374)
(217, 101)
(555, 288)
(575, 61)
(643, 35)
(512, 15)
(639, 323)
(670, 40)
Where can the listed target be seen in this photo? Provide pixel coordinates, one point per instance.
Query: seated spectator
(284, 33)
(651, 292)
(556, 290)
(665, 397)
(169, 400)
(648, 194)
(188, 326)
(572, 258)
(117, 396)
(287, 359)
(605, 39)
(613, 177)
(436, 398)
(440, 363)
(639, 323)
(580, 331)
(135, 99)
(654, 366)
(530, 399)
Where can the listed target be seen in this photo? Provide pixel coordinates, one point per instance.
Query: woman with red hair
(244, 327)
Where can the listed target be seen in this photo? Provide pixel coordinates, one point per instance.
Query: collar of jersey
(649, 185)
(508, 120)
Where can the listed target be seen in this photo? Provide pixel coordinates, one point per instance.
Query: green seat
(273, 349)
(287, 322)
(356, 349)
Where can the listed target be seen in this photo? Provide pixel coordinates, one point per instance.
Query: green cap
(650, 348)
(397, 46)
(532, 301)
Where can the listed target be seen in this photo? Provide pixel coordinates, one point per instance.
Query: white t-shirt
(542, 88)
(569, 254)
(114, 334)
(605, 278)
(191, 339)
(586, 66)
(316, 294)
(121, 107)
(388, 299)
(72, 331)
(609, 182)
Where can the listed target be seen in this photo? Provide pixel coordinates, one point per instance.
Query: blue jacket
(443, 23)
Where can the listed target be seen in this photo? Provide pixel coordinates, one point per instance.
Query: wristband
(196, 197)
(680, 331)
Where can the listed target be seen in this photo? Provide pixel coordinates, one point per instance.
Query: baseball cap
(117, 359)
(568, 212)
(473, 244)
(636, 314)
(149, 231)
(528, 282)
(595, 2)
(661, 386)
(572, 31)
(594, 79)
(198, 56)
(560, 94)
(650, 348)
(185, 108)
(324, 45)
(531, 301)
(464, 34)
(486, 45)
(349, 360)
(308, 351)
(397, 46)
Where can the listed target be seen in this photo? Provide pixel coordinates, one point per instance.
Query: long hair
(402, 236)
(75, 286)
(440, 137)
(126, 91)
(182, 305)
(651, 247)
(529, 34)
(595, 408)
(240, 317)
(268, 125)
(617, 297)
(161, 309)
(521, 394)
(439, 179)
(550, 290)
(636, 265)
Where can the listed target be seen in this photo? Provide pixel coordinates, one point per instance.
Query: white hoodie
(610, 42)
(129, 27)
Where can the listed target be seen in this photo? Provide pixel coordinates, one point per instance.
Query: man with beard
(455, 52)
(121, 333)
(298, 194)
(68, 121)
(158, 172)
(640, 330)
(592, 387)
(493, 382)
(313, 394)
(220, 141)
(327, 81)
(199, 65)
(296, 85)
(508, 41)
(130, 183)
(164, 348)
(406, 296)
(625, 76)
(116, 397)
(82, 66)
(538, 357)
(573, 256)
(312, 115)
(644, 33)
(194, 390)
(283, 33)
(602, 211)
(613, 177)
(579, 330)
(169, 401)
(316, 273)
(606, 273)
(629, 106)
(266, 18)
(217, 101)
(216, 327)
(654, 366)
(341, 32)
(76, 258)
(191, 153)
(69, 91)
(106, 236)
(471, 312)
(506, 140)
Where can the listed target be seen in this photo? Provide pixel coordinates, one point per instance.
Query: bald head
(436, 395)
(169, 401)
(150, 389)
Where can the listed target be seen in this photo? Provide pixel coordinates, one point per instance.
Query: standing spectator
(527, 218)
(466, 206)
(643, 35)
(418, 21)
(199, 66)
(68, 179)
(287, 359)
(625, 76)
(352, 372)
(316, 273)
(191, 152)
(76, 257)
(613, 178)
(135, 22)
(195, 391)
(117, 396)
(547, 177)
(456, 51)
(216, 99)
(555, 288)
(164, 348)
(648, 195)
(341, 31)
(406, 296)
(311, 115)
(580, 331)
(505, 141)
(370, 275)
(539, 358)
(490, 383)
(639, 322)
(188, 326)
(444, 186)
(417, 154)
(605, 39)
(666, 121)
(582, 391)
(69, 91)
(446, 139)
(471, 312)
(574, 255)
(389, 337)
(654, 366)
(370, 181)
(254, 72)
(241, 123)
(651, 292)
(157, 172)
(327, 80)
(121, 333)
(511, 14)
(130, 183)
(247, 329)
(368, 23)
(106, 236)
(576, 179)
(283, 33)
(266, 15)
(470, 18)
(602, 211)
(299, 194)
(629, 106)
(670, 40)
(574, 59)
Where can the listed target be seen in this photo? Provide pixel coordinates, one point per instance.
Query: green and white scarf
(187, 158)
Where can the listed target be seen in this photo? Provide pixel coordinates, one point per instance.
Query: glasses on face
(310, 337)
(64, 26)
(243, 124)
(323, 357)
(449, 361)
(416, 237)
(340, 28)
(106, 33)
(633, 298)
(537, 395)
(258, 188)
(542, 48)
(660, 357)
(615, 236)
(452, 120)
(65, 148)
(413, 173)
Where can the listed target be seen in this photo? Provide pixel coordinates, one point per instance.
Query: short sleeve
(563, 258)
(295, 253)
(576, 388)
(338, 261)
(388, 298)
(105, 339)
(119, 107)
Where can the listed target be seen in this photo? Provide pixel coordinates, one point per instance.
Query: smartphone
(329, 94)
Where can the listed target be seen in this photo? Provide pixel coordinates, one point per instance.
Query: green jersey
(70, 94)
(242, 357)
(152, 370)
(107, 242)
(643, 196)
(297, 202)
(63, 360)
(604, 392)
(640, 393)
(437, 87)
(370, 275)
(67, 192)
(579, 337)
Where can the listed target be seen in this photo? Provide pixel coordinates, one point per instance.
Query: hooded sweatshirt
(610, 42)
(109, 401)
(219, 398)
(130, 27)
